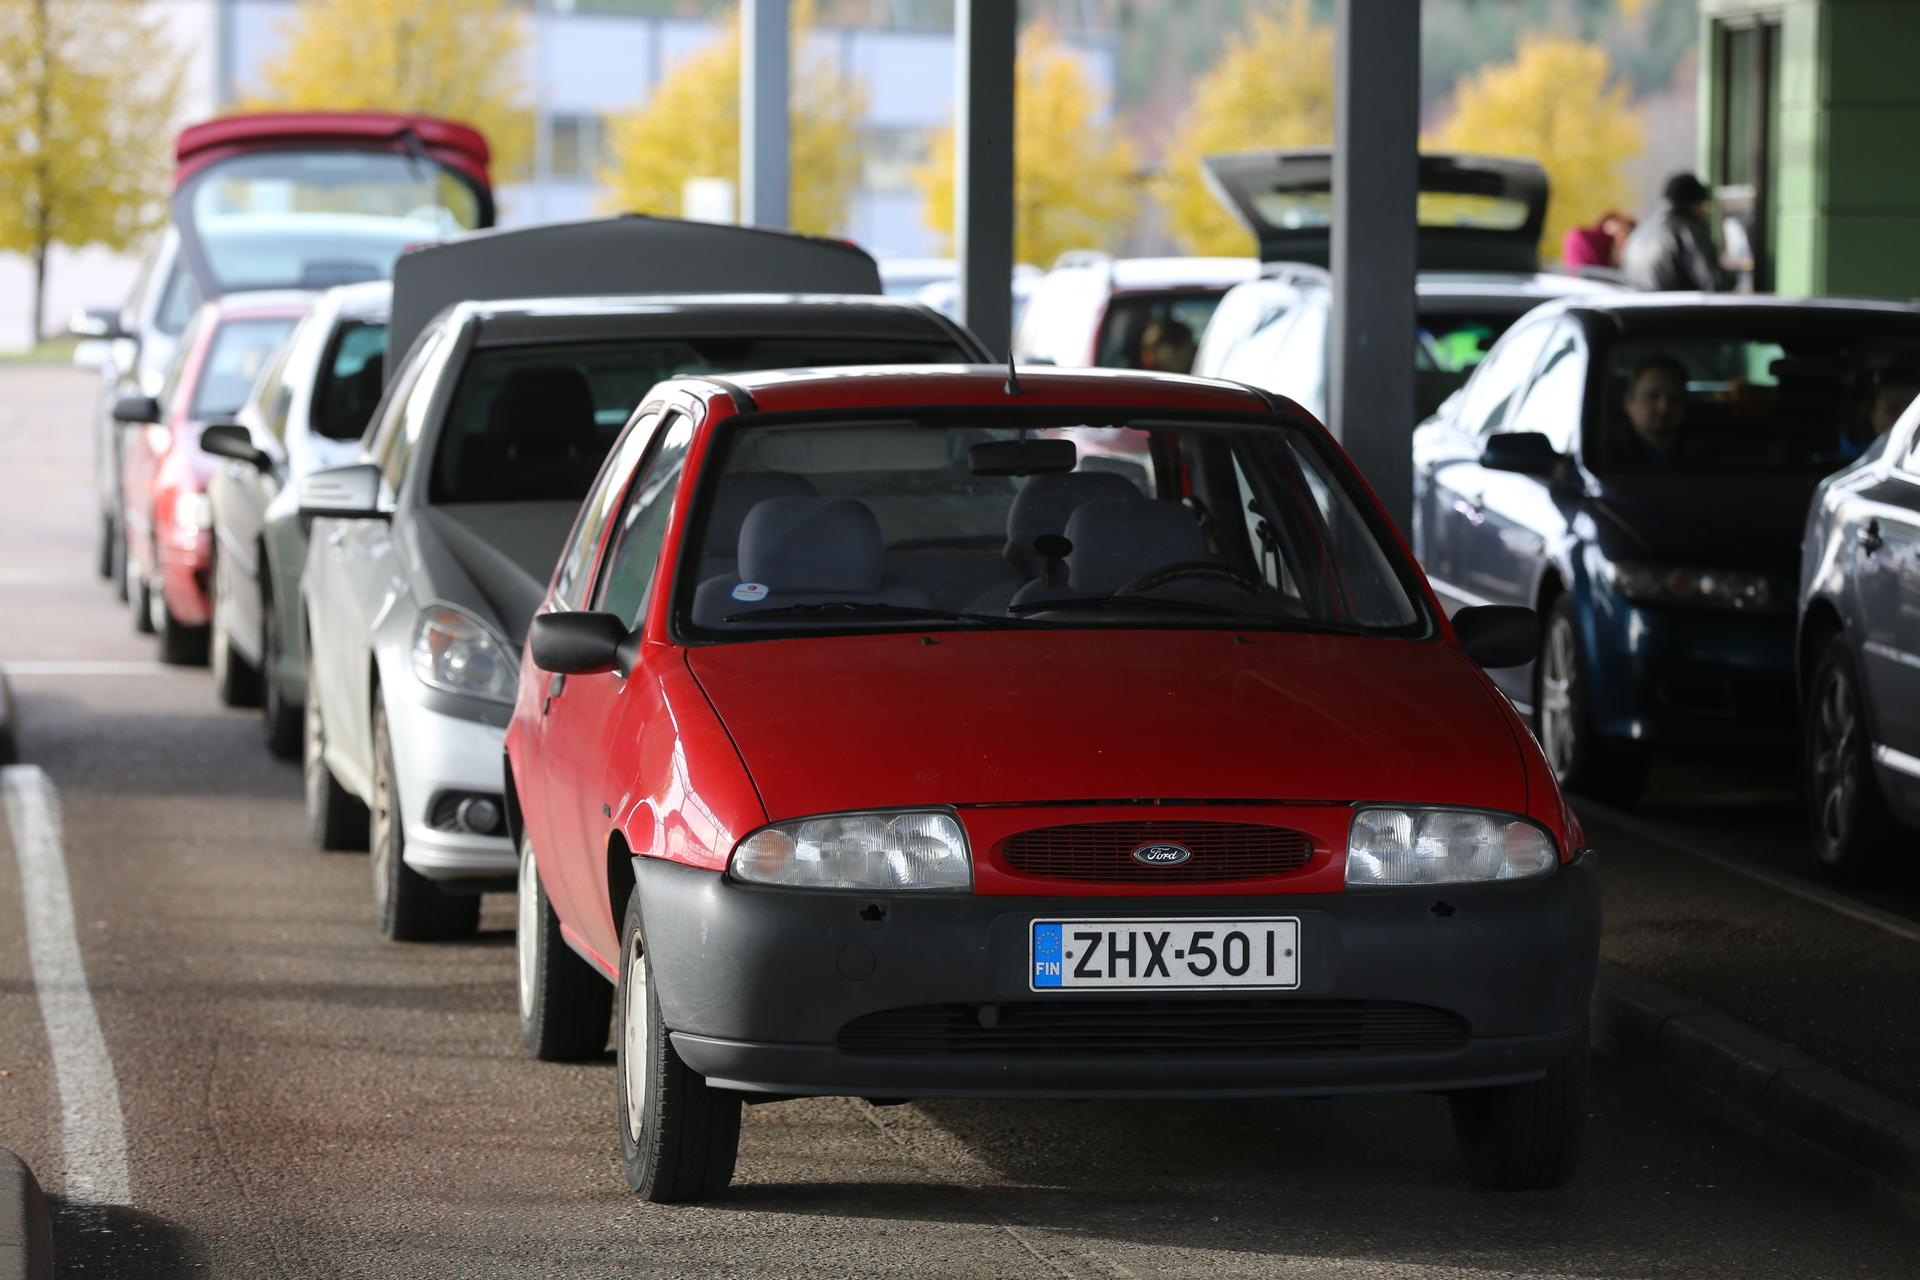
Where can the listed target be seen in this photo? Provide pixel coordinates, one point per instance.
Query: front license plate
(1165, 955)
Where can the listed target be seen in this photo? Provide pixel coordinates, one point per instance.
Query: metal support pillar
(763, 113)
(1376, 149)
(985, 40)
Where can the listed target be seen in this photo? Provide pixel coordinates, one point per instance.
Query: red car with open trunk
(907, 733)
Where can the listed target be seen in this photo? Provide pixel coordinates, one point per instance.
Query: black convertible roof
(764, 315)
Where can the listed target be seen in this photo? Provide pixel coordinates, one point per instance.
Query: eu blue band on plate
(1048, 961)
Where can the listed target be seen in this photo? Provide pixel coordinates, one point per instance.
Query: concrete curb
(26, 1230)
(1772, 1090)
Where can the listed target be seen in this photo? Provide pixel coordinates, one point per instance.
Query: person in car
(1167, 347)
(1893, 390)
(1656, 405)
(1674, 249)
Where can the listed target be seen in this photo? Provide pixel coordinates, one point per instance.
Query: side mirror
(136, 410)
(347, 493)
(576, 644)
(96, 322)
(1498, 635)
(231, 440)
(1527, 452)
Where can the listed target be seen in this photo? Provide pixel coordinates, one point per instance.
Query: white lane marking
(87, 667)
(1897, 925)
(91, 1128)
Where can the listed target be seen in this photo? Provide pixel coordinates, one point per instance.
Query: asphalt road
(300, 1098)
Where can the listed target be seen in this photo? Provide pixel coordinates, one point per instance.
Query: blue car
(1638, 468)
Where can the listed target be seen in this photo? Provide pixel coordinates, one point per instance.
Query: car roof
(521, 320)
(906, 387)
(1131, 274)
(368, 300)
(262, 304)
(1628, 310)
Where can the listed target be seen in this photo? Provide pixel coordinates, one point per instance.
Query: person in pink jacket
(1598, 245)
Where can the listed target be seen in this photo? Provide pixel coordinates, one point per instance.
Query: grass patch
(58, 351)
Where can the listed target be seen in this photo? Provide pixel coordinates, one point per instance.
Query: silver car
(306, 413)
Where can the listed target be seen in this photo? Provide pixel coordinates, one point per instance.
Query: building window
(888, 157)
(576, 148)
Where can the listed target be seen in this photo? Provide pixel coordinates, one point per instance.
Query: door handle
(555, 684)
(1869, 537)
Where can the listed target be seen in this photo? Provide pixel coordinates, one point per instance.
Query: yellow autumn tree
(1072, 174)
(1552, 104)
(690, 128)
(1273, 89)
(454, 58)
(88, 94)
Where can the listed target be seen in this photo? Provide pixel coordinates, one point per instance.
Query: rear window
(240, 350)
(351, 379)
(533, 423)
(1154, 330)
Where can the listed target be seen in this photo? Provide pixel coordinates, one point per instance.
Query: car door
(583, 713)
(1886, 550)
(240, 493)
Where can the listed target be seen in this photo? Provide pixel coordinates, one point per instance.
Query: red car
(164, 511)
(908, 733)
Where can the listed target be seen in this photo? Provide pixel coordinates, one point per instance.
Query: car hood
(493, 559)
(850, 722)
(1750, 522)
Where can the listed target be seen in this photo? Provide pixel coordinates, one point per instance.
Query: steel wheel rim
(636, 1040)
(1835, 772)
(382, 819)
(527, 919)
(1557, 732)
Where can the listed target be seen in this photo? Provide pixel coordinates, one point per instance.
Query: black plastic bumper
(756, 984)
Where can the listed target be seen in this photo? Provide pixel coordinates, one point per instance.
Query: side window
(1552, 405)
(406, 410)
(271, 397)
(178, 301)
(637, 538)
(177, 365)
(1496, 384)
(570, 585)
(1299, 367)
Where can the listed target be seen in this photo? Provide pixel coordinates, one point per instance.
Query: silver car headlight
(1688, 587)
(1444, 846)
(455, 651)
(911, 849)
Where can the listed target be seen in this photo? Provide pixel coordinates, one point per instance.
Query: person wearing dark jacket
(1674, 248)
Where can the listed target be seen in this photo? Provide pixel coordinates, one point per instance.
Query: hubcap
(636, 1037)
(525, 942)
(1557, 672)
(1831, 755)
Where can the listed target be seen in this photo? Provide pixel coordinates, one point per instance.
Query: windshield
(533, 423)
(240, 350)
(1805, 396)
(971, 522)
(351, 380)
(314, 219)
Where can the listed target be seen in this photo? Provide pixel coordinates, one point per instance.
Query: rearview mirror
(576, 644)
(136, 410)
(1527, 452)
(231, 440)
(1498, 635)
(95, 322)
(347, 493)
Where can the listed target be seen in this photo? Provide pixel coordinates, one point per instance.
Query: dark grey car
(1859, 655)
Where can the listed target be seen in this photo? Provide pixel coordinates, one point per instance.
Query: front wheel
(335, 818)
(235, 680)
(1581, 760)
(1525, 1137)
(1852, 828)
(407, 906)
(103, 555)
(678, 1137)
(282, 717)
(564, 1002)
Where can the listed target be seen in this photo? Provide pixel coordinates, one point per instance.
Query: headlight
(1686, 587)
(918, 849)
(193, 512)
(1444, 846)
(453, 650)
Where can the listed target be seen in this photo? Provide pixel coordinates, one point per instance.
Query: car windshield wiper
(867, 609)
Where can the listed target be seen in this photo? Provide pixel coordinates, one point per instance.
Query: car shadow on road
(118, 1240)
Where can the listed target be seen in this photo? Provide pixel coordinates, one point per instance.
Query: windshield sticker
(750, 591)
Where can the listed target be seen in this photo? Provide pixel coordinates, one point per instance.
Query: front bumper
(758, 986)
(1670, 679)
(436, 752)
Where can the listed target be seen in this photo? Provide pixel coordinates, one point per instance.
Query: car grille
(1103, 851)
(1080, 1028)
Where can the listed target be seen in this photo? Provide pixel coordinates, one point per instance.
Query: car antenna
(1013, 375)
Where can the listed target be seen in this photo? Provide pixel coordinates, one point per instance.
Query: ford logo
(1162, 855)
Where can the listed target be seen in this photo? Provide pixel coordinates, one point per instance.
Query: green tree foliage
(88, 94)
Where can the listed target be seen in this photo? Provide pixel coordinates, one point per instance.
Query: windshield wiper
(867, 609)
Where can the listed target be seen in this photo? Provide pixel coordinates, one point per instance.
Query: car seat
(738, 494)
(1116, 542)
(805, 551)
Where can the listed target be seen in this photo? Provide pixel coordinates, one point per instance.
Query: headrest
(1116, 542)
(812, 544)
(1046, 501)
(548, 406)
(739, 493)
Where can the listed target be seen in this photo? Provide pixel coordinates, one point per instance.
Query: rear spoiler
(614, 257)
(1476, 213)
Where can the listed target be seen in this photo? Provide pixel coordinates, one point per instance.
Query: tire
(103, 559)
(407, 907)
(180, 645)
(335, 819)
(678, 1137)
(565, 1004)
(139, 596)
(282, 718)
(1580, 759)
(1851, 825)
(117, 574)
(1525, 1137)
(235, 680)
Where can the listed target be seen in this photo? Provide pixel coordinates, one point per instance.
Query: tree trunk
(39, 291)
(42, 171)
